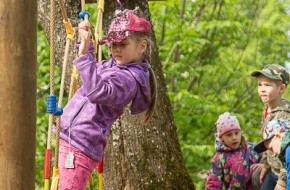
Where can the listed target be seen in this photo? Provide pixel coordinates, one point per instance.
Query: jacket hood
(140, 72)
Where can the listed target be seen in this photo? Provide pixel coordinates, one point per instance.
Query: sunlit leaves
(209, 48)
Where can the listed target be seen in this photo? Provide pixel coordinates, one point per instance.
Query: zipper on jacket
(77, 114)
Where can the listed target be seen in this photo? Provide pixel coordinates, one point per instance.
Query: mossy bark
(138, 157)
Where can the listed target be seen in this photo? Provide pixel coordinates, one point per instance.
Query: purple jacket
(107, 88)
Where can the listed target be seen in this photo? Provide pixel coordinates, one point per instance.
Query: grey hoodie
(107, 88)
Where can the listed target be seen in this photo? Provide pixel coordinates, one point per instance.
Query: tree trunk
(18, 94)
(137, 156)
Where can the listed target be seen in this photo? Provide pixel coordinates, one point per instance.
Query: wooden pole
(18, 27)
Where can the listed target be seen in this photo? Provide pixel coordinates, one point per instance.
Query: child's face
(274, 144)
(270, 90)
(128, 50)
(232, 138)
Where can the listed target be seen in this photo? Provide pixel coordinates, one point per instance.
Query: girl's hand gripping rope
(84, 30)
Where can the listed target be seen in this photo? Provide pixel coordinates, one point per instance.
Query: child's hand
(257, 166)
(84, 33)
(279, 187)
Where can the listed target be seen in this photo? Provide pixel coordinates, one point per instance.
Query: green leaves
(209, 48)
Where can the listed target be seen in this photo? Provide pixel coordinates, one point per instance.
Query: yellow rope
(98, 31)
(52, 61)
(98, 35)
(73, 82)
(75, 75)
(61, 92)
(46, 184)
(74, 79)
(70, 34)
(55, 179)
(91, 182)
(100, 181)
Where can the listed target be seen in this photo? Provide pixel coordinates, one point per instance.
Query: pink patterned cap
(226, 122)
(124, 23)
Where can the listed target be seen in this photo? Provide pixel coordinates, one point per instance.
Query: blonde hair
(244, 141)
(139, 37)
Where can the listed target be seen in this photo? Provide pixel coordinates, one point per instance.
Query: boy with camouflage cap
(272, 82)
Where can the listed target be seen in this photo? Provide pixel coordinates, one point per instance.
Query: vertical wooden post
(18, 27)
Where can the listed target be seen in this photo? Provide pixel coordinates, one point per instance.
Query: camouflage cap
(273, 71)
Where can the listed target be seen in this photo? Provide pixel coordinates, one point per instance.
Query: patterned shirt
(230, 168)
(270, 161)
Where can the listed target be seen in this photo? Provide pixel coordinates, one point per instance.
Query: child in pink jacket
(230, 167)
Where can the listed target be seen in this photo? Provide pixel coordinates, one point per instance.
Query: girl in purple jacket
(231, 165)
(107, 88)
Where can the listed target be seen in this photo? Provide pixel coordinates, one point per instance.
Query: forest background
(208, 49)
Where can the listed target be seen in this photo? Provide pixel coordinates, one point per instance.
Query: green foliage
(208, 50)
(43, 90)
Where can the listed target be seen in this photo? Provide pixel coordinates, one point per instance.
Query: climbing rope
(100, 174)
(98, 33)
(47, 161)
(53, 108)
(99, 29)
(70, 34)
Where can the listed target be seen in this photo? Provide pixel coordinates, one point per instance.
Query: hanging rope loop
(54, 107)
(70, 32)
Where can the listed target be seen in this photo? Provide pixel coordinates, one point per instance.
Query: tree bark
(136, 156)
(18, 94)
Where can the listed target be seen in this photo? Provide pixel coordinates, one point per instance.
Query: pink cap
(226, 122)
(124, 23)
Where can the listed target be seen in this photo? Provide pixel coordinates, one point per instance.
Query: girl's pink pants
(76, 178)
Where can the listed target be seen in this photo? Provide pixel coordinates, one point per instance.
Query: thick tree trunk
(137, 156)
(18, 94)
